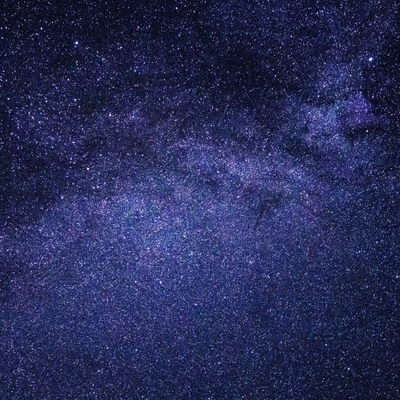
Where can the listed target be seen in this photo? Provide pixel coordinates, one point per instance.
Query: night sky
(199, 200)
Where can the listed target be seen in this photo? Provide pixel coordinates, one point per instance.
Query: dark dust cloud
(199, 200)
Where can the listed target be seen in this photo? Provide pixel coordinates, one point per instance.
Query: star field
(199, 201)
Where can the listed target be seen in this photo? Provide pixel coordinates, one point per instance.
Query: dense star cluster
(199, 200)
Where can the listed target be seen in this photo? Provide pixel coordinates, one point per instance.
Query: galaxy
(199, 200)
